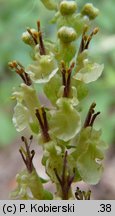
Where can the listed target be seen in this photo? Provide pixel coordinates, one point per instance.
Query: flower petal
(88, 154)
(89, 169)
(43, 69)
(65, 122)
(20, 117)
(89, 73)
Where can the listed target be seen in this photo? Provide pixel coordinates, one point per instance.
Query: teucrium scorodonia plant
(72, 150)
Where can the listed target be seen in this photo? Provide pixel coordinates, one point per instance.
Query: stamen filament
(34, 37)
(41, 116)
(27, 156)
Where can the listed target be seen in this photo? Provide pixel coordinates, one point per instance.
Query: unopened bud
(49, 4)
(67, 34)
(27, 38)
(67, 7)
(90, 11)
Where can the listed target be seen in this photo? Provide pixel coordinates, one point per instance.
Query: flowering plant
(72, 150)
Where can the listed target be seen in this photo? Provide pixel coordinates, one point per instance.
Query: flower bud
(49, 4)
(67, 34)
(90, 11)
(27, 38)
(67, 7)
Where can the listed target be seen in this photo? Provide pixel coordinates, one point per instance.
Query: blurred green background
(15, 17)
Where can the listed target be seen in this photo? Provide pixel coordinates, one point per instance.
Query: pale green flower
(27, 38)
(65, 121)
(20, 117)
(87, 71)
(43, 68)
(72, 99)
(24, 111)
(89, 154)
(53, 159)
(29, 186)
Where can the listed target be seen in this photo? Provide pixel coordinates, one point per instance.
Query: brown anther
(12, 64)
(93, 118)
(78, 194)
(31, 137)
(23, 139)
(19, 69)
(82, 195)
(85, 41)
(72, 66)
(95, 31)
